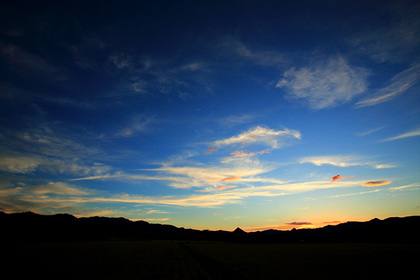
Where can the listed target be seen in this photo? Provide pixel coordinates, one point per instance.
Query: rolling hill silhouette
(29, 226)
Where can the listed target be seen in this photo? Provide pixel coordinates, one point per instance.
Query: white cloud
(337, 160)
(121, 61)
(394, 40)
(215, 175)
(19, 164)
(235, 120)
(155, 219)
(60, 188)
(415, 185)
(370, 131)
(404, 135)
(148, 75)
(229, 169)
(309, 186)
(26, 164)
(182, 174)
(58, 195)
(194, 66)
(258, 57)
(42, 149)
(249, 154)
(343, 161)
(325, 83)
(399, 84)
(44, 141)
(37, 198)
(352, 194)
(270, 137)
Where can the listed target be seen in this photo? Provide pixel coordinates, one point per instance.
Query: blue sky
(257, 114)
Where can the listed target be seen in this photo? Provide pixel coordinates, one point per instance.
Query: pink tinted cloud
(210, 151)
(338, 177)
(228, 179)
(226, 187)
(376, 183)
(241, 154)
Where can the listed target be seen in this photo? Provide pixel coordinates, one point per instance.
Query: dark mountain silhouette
(29, 226)
(238, 231)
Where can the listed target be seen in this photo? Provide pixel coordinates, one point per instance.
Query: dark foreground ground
(207, 260)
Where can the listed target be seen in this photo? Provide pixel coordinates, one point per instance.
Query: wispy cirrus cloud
(222, 188)
(343, 161)
(226, 179)
(137, 124)
(298, 187)
(19, 164)
(227, 170)
(202, 176)
(261, 135)
(399, 84)
(125, 177)
(324, 84)
(259, 57)
(26, 164)
(51, 188)
(121, 61)
(234, 120)
(352, 194)
(60, 188)
(45, 148)
(156, 212)
(364, 133)
(148, 75)
(413, 133)
(233, 178)
(59, 195)
(415, 185)
(240, 167)
(394, 40)
(32, 65)
(249, 154)
(155, 219)
(43, 198)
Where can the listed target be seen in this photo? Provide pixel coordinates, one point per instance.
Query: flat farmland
(207, 260)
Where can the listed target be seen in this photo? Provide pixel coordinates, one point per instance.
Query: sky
(211, 114)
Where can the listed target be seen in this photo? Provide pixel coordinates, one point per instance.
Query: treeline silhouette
(29, 227)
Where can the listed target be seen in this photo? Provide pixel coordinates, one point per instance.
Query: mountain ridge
(29, 226)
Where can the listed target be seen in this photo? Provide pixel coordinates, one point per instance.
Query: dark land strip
(215, 269)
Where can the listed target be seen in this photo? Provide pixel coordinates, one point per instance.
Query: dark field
(207, 260)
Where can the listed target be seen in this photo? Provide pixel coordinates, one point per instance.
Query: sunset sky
(211, 114)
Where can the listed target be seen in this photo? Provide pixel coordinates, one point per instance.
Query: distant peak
(239, 230)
